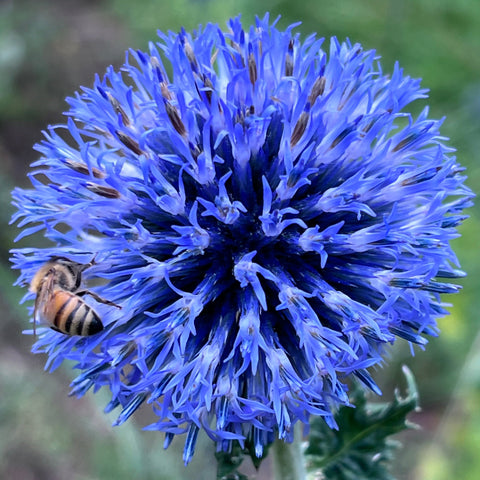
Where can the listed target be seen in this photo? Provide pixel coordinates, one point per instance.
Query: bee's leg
(35, 311)
(98, 298)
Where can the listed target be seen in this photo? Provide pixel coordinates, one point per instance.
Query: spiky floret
(262, 220)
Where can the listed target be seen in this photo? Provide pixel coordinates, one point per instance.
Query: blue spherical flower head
(266, 226)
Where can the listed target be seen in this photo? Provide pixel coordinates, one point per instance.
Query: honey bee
(59, 301)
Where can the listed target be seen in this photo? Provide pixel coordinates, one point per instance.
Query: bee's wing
(45, 292)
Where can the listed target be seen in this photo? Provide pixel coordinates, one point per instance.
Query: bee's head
(68, 272)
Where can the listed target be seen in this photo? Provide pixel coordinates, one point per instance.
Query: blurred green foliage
(48, 48)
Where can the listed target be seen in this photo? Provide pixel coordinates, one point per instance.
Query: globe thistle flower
(263, 221)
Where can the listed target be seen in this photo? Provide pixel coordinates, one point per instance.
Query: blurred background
(48, 48)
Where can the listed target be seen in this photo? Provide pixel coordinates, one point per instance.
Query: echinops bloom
(267, 215)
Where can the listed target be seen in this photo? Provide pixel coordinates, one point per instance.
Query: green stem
(288, 461)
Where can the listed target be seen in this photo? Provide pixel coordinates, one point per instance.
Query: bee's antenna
(89, 264)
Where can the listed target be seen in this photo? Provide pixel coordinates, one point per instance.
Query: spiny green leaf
(361, 448)
(229, 462)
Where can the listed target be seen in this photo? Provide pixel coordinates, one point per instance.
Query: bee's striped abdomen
(73, 316)
(92, 324)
